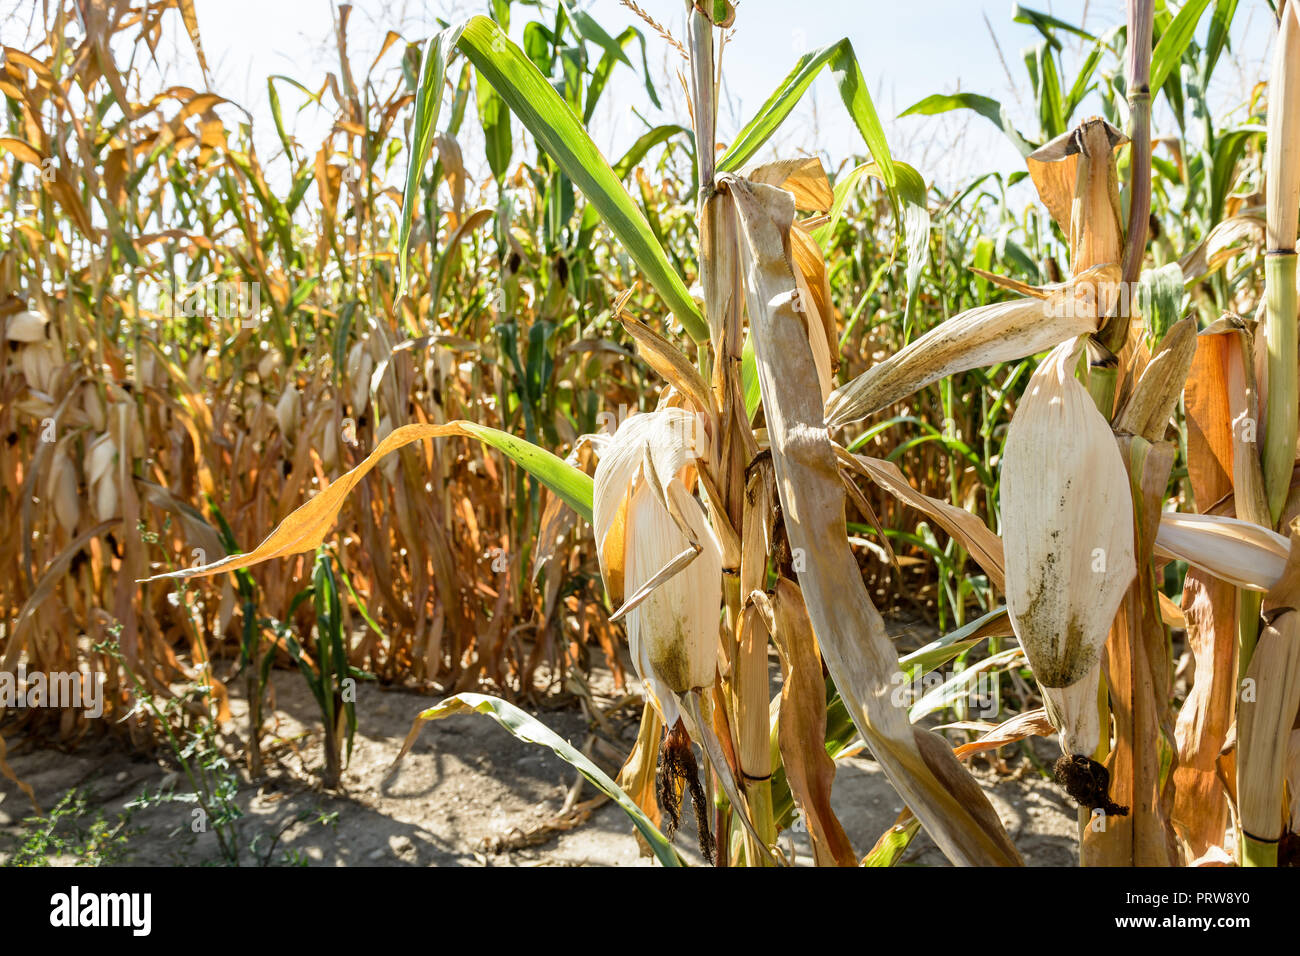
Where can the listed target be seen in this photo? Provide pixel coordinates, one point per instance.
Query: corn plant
(1082, 403)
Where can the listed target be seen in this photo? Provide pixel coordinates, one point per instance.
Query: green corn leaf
(428, 102)
(1173, 42)
(958, 687)
(893, 843)
(560, 134)
(1045, 24)
(853, 91)
(749, 376)
(495, 120)
(1160, 297)
(985, 106)
(1220, 21)
(647, 141)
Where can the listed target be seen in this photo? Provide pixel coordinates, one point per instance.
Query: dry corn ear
(40, 362)
(101, 478)
(984, 336)
(361, 365)
(659, 557)
(61, 488)
(288, 410)
(1068, 541)
(1067, 523)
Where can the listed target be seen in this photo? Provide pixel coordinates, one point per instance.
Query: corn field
(453, 402)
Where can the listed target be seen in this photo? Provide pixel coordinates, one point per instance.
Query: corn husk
(647, 523)
(1073, 712)
(40, 362)
(288, 410)
(1067, 524)
(61, 487)
(361, 365)
(1077, 181)
(101, 479)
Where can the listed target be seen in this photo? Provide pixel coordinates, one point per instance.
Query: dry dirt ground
(468, 794)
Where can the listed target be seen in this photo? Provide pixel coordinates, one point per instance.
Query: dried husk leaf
(1073, 712)
(1263, 726)
(1002, 332)
(802, 728)
(1032, 723)
(848, 628)
(1067, 523)
(803, 177)
(667, 359)
(984, 546)
(1148, 410)
(1200, 807)
(1077, 181)
(1232, 550)
(637, 778)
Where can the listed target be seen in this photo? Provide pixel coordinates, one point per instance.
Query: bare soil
(468, 794)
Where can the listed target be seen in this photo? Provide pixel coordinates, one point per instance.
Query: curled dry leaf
(1233, 550)
(1001, 332)
(848, 628)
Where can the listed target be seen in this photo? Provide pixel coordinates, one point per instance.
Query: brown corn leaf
(849, 630)
(802, 727)
(667, 359)
(1200, 807)
(804, 178)
(1001, 332)
(1032, 723)
(306, 527)
(984, 546)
